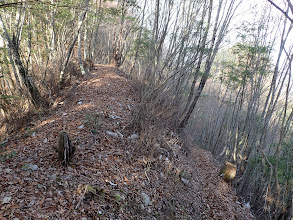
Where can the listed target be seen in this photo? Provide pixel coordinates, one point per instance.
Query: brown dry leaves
(108, 174)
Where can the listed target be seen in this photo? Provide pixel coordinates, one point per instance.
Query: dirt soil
(113, 175)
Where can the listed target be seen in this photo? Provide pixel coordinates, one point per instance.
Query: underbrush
(18, 111)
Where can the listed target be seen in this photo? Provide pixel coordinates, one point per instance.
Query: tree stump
(65, 149)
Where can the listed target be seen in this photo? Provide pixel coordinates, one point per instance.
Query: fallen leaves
(108, 177)
(6, 200)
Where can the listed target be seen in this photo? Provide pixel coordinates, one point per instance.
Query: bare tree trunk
(118, 40)
(85, 42)
(13, 44)
(283, 133)
(79, 25)
(184, 122)
(213, 49)
(79, 54)
(95, 37)
(139, 39)
(52, 32)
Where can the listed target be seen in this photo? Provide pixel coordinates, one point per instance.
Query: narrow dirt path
(93, 109)
(109, 177)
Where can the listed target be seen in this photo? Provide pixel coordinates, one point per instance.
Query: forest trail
(110, 176)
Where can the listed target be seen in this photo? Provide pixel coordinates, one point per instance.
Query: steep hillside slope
(112, 175)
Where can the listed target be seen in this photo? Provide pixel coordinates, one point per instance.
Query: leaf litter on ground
(109, 177)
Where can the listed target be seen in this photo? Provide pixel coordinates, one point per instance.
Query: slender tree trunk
(96, 31)
(184, 122)
(79, 25)
(139, 39)
(79, 54)
(190, 108)
(85, 42)
(13, 44)
(52, 32)
(216, 40)
(34, 92)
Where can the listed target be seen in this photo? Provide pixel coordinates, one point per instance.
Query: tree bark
(79, 25)
(13, 45)
(79, 55)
